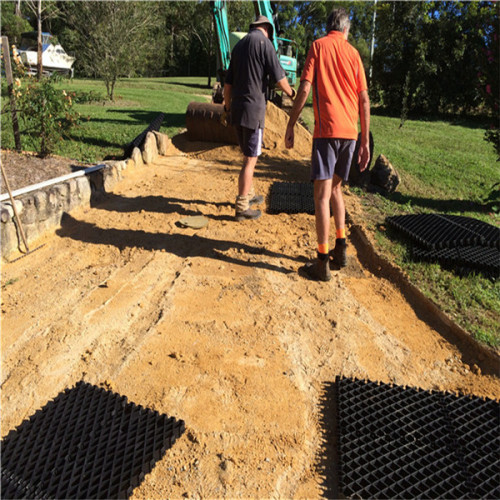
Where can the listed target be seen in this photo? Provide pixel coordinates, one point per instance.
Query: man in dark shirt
(253, 62)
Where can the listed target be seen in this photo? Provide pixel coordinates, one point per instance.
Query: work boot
(255, 199)
(338, 256)
(319, 270)
(243, 210)
(248, 214)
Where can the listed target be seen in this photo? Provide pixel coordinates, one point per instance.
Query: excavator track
(203, 123)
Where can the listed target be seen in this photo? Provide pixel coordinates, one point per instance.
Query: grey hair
(338, 20)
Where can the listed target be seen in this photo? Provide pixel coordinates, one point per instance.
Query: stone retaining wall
(41, 211)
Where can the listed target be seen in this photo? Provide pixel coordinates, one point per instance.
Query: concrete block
(5, 215)
(8, 235)
(8, 206)
(62, 191)
(130, 163)
(137, 157)
(150, 149)
(121, 165)
(110, 178)
(30, 212)
(83, 186)
(40, 198)
(162, 142)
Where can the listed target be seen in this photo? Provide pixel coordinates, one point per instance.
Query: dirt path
(212, 326)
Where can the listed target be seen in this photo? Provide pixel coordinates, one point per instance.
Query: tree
(42, 13)
(13, 25)
(113, 37)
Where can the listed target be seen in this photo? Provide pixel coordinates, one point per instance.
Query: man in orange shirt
(333, 69)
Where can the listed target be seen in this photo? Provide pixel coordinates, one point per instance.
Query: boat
(54, 57)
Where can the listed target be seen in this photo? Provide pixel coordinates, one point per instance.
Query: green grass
(444, 167)
(113, 125)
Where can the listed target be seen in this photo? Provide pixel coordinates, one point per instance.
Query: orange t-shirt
(335, 70)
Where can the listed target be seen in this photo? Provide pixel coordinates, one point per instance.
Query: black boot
(319, 270)
(338, 256)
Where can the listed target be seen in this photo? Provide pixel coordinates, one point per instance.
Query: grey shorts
(331, 156)
(250, 141)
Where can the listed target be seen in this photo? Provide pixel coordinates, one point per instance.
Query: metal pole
(10, 86)
(372, 48)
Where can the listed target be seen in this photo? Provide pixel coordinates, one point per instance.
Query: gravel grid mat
(437, 231)
(291, 198)
(397, 442)
(86, 443)
(464, 260)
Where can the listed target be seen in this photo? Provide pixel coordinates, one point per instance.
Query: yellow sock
(323, 247)
(341, 233)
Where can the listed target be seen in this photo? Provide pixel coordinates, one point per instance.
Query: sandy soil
(215, 327)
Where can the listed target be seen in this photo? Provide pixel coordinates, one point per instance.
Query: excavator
(203, 120)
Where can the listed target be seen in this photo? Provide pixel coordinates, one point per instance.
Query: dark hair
(338, 20)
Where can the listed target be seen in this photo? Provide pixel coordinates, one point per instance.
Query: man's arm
(228, 88)
(364, 113)
(298, 105)
(285, 87)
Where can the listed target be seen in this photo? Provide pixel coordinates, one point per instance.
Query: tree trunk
(171, 54)
(39, 64)
(112, 85)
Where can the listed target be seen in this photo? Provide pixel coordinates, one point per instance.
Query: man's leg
(320, 269)
(250, 144)
(338, 206)
(338, 209)
(322, 194)
(245, 178)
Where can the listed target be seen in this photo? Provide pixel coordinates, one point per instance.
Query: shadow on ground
(181, 245)
(159, 204)
(328, 459)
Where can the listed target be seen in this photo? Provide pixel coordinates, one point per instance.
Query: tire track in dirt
(215, 327)
(89, 338)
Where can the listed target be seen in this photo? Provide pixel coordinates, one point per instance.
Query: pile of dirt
(273, 142)
(274, 135)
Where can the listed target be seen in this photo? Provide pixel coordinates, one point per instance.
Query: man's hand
(294, 94)
(225, 118)
(289, 137)
(363, 156)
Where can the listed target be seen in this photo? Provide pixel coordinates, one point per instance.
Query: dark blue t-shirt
(253, 61)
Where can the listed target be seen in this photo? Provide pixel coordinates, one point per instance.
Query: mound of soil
(273, 142)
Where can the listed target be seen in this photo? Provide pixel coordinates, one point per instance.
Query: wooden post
(10, 85)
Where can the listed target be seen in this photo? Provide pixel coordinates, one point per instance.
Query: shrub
(46, 113)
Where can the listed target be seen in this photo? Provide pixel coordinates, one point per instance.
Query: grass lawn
(444, 166)
(113, 125)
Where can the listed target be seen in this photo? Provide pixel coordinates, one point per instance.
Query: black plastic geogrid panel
(86, 443)
(137, 142)
(464, 259)
(291, 197)
(397, 442)
(446, 231)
